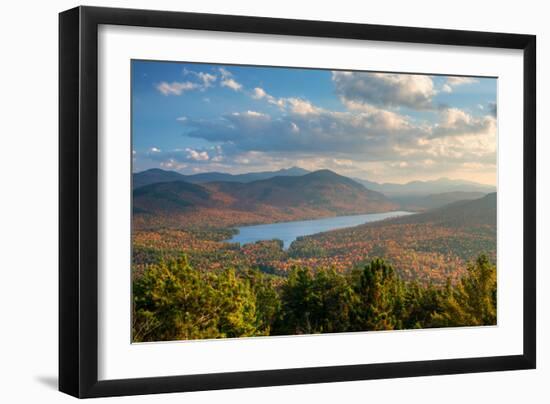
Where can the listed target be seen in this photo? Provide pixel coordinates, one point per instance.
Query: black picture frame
(78, 201)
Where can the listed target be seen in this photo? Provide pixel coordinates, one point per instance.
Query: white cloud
(363, 139)
(232, 84)
(196, 155)
(373, 135)
(385, 89)
(458, 81)
(176, 88)
(320, 130)
(455, 81)
(256, 114)
(456, 122)
(180, 158)
(302, 107)
(172, 164)
(446, 88)
(228, 81)
(154, 150)
(258, 93)
(389, 119)
(251, 114)
(224, 72)
(206, 79)
(296, 105)
(343, 162)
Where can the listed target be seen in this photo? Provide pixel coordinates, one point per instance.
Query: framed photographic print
(251, 201)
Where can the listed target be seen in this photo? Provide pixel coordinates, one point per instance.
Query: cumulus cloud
(372, 136)
(389, 119)
(458, 81)
(232, 84)
(302, 107)
(260, 94)
(228, 81)
(309, 128)
(196, 155)
(176, 87)
(362, 139)
(293, 105)
(186, 156)
(385, 89)
(172, 164)
(455, 81)
(456, 122)
(207, 80)
(446, 88)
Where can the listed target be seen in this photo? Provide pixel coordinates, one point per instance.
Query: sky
(384, 127)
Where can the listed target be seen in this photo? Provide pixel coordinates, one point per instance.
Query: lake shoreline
(289, 231)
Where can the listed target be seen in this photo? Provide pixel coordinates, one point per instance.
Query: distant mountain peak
(317, 194)
(329, 175)
(427, 187)
(156, 170)
(157, 175)
(324, 171)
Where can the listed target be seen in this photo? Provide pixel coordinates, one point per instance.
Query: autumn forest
(282, 201)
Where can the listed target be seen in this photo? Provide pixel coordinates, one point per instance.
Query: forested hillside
(174, 301)
(156, 175)
(428, 247)
(430, 269)
(179, 204)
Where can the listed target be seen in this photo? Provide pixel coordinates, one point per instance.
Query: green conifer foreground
(173, 301)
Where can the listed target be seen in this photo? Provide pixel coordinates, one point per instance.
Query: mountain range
(420, 203)
(412, 196)
(155, 175)
(413, 188)
(425, 188)
(318, 194)
(481, 211)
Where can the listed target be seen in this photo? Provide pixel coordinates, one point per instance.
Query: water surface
(289, 231)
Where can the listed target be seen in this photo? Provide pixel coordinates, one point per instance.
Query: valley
(269, 200)
(179, 204)
(197, 219)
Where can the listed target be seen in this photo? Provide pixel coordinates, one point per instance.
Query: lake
(289, 231)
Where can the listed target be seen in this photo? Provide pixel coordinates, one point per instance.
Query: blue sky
(191, 118)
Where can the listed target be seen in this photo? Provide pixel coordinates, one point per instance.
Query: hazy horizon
(319, 169)
(382, 127)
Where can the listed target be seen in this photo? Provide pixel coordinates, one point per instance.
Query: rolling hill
(170, 197)
(248, 177)
(420, 203)
(156, 175)
(428, 247)
(321, 189)
(318, 194)
(477, 212)
(425, 188)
